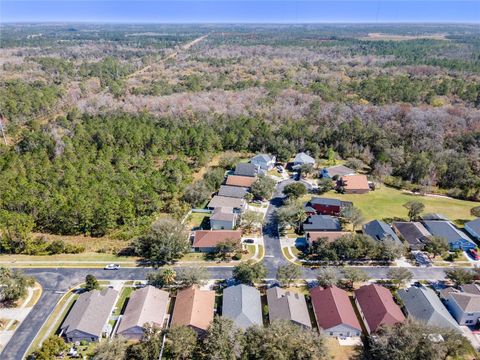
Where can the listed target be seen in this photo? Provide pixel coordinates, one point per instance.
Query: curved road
(56, 281)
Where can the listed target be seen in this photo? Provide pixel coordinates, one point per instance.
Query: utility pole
(3, 131)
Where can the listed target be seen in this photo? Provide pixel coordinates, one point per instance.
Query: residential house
(89, 316)
(424, 305)
(456, 239)
(242, 181)
(434, 217)
(246, 169)
(242, 304)
(321, 223)
(223, 219)
(288, 305)
(334, 312)
(336, 171)
(444, 294)
(327, 206)
(263, 161)
(232, 191)
(379, 230)
(464, 307)
(238, 205)
(194, 308)
(414, 233)
(473, 228)
(330, 236)
(147, 305)
(376, 307)
(354, 184)
(473, 289)
(302, 159)
(207, 240)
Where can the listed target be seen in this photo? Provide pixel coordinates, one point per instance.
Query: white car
(112, 267)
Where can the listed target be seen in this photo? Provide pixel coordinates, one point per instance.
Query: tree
(475, 211)
(223, 341)
(249, 272)
(91, 283)
(197, 194)
(263, 187)
(353, 275)
(149, 347)
(400, 276)
(114, 349)
(460, 276)
(226, 249)
(51, 348)
(229, 160)
(389, 249)
(181, 343)
(162, 277)
(292, 214)
(295, 190)
(327, 277)
(15, 231)
(436, 245)
(214, 178)
(351, 215)
(306, 169)
(189, 275)
(251, 220)
(14, 285)
(415, 208)
(166, 242)
(286, 274)
(283, 340)
(325, 185)
(411, 340)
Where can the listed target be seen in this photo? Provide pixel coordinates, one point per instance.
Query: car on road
(112, 267)
(474, 254)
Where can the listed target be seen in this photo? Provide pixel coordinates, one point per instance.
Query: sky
(240, 11)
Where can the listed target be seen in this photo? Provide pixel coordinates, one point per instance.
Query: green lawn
(124, 295)
(197, 219)
(386, 203)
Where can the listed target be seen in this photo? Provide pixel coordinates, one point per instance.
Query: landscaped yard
(387, 203)
(338, 352)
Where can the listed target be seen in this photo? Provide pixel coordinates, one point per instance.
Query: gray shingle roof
(223, 214)
(379, 230)
(474, 225)
(246, 169)
(413, 232)
(423, 304)
(90, 312)
(302, 158)
(467, 302)
(287, 305)
(322, 223)
(264, 158)
(446, 230)
(232, 191)
(226, 202)
(242, 304)
(339, 170)
(325, 201)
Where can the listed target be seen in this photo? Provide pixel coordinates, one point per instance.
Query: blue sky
(235, 11)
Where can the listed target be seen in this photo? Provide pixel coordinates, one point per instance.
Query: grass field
(387, 203)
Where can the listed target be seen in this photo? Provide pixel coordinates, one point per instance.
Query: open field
(387, 203)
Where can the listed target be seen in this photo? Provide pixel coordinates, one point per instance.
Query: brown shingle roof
(210, 238)
(194, 307)
(378, 307)
(332, 307)
(146, 305)
(244, 181)
(355, 182)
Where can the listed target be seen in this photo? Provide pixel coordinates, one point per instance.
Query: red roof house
(207, 240)
(377, 307)
(334, 312)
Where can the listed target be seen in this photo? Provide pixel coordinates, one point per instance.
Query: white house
(223, 219)
(264, 161)
(464, 307)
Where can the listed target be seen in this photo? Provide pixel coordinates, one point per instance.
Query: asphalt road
(57, 281)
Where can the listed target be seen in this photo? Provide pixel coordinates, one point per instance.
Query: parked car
(112, 267)
(280, 169)
(249, 241)
(474, 254)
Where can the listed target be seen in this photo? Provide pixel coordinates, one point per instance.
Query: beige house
(145, 306)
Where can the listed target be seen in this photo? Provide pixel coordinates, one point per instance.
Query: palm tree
(169, 276)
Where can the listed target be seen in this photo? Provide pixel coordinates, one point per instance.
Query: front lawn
(387, 203)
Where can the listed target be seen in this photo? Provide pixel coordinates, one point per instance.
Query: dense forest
(106, 124)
